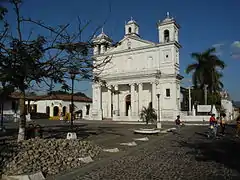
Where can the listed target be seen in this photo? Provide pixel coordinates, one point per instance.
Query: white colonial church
(143, 73)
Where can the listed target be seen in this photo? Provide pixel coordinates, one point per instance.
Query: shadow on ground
(82, 131)
(225, 150)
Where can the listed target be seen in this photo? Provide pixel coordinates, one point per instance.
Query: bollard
(38, 131)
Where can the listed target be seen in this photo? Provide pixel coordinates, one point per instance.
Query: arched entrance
(48, 110)
(55, 111)
(127, 103)
(64, 110)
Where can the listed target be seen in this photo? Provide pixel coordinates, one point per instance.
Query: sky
(203, 24)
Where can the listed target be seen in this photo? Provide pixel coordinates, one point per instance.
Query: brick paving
(187, 154)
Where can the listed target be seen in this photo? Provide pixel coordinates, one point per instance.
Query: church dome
(103, 36)
(131, 22)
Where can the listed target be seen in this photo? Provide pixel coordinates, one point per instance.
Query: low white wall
(194, 118)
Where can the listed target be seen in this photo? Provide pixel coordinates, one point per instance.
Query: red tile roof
(63, 97)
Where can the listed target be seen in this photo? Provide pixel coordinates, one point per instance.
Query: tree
(65, 87)
(40, 59)
(148, 114)
(206, 71)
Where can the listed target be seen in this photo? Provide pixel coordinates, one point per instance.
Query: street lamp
(159, 125)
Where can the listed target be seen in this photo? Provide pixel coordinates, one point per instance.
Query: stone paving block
(113, 150)
(129, 144)
(141, 139)
(35, 176)
(87, 159)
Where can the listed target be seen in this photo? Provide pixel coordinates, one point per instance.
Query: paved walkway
(186, 155)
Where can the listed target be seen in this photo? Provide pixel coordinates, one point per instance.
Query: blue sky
(203, 24)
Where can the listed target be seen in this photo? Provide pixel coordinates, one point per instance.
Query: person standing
(223, 123)
(213, 126)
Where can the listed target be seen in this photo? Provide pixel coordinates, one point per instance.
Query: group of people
(214, 124)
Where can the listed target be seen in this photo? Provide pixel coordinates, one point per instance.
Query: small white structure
(53, 105)
(227, 105)
(58, 104)
(138, 71)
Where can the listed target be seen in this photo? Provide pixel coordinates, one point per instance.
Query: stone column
(117, 113)
(154, 96)
(109, 102)
(140, 88)
(132, 99)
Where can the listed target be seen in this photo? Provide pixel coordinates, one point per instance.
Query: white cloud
(236, 44)
(217, 46)
(235, 50)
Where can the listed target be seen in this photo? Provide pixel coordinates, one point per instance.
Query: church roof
(63, 97)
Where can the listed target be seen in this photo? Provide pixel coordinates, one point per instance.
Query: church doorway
(127, 103)
(55, 111)
(64, 110)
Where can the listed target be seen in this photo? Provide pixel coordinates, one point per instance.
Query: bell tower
(131, 28)
(168, 30)
(101, 43)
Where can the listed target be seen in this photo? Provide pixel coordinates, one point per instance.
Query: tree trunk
(22, 122)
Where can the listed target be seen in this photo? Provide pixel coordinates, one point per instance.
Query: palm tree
(206, 70)
(148, 114)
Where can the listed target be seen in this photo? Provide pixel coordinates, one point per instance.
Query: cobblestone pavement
(187, 154)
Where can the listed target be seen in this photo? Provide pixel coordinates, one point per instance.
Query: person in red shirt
(213, 126)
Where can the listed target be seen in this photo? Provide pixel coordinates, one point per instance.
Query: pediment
(130, 43)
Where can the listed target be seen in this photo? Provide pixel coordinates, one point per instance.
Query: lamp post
(159, 125)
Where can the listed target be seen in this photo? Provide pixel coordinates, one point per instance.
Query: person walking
(213, 126)
(223, 123)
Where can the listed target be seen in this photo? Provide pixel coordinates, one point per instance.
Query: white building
(139, 70)
(52, 105)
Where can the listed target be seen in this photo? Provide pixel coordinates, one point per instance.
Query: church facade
(140, 73)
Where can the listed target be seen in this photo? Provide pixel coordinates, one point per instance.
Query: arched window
(166, 36)
(99, 49)
(129, 30)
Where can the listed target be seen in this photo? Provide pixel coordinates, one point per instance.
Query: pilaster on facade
(132, 87)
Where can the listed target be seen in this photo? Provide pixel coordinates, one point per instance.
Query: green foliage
(3, 12)
(206, 70)
(65, 87)
(148, 114)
